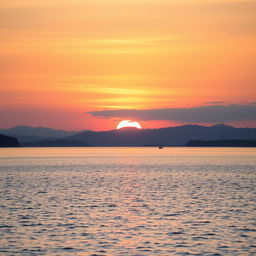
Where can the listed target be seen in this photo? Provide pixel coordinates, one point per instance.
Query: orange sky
(62, 58)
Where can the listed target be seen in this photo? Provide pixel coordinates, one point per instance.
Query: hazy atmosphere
(128, 127)
(74, 64)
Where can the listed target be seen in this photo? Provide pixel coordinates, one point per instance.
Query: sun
(128, 123)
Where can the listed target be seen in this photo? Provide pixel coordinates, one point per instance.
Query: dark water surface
(128, 201)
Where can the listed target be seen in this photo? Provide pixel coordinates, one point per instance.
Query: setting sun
(128, 123)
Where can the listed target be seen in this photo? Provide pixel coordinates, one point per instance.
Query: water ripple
(128, 205)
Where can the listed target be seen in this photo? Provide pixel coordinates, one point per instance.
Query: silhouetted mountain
(7, 141)
(56, 143)
(37, 131)
(32, 134)
(26, 138)
(171, 136)
(221, 143)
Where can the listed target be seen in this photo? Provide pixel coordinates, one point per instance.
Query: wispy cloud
(204, 114)
(215, 102)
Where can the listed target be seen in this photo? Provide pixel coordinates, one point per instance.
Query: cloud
(3, 29)
(215, 102)
(204, 114)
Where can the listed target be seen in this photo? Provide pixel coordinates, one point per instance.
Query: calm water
(128, 201)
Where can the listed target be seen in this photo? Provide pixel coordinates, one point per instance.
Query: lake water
(128, 201)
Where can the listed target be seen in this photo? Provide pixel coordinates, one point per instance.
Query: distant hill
(33, 134)
(7, 141)
(221, 143)
(171, 136)
(56, 143)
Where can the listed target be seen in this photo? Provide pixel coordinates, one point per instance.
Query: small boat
(161, 147)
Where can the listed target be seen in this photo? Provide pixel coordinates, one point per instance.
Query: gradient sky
(64, 62)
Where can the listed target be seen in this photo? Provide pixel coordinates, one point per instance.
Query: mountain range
(34, 134)
(170, 136)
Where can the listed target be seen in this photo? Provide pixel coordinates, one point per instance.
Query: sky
(88, 64)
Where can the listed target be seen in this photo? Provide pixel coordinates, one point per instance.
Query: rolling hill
(171, 136)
